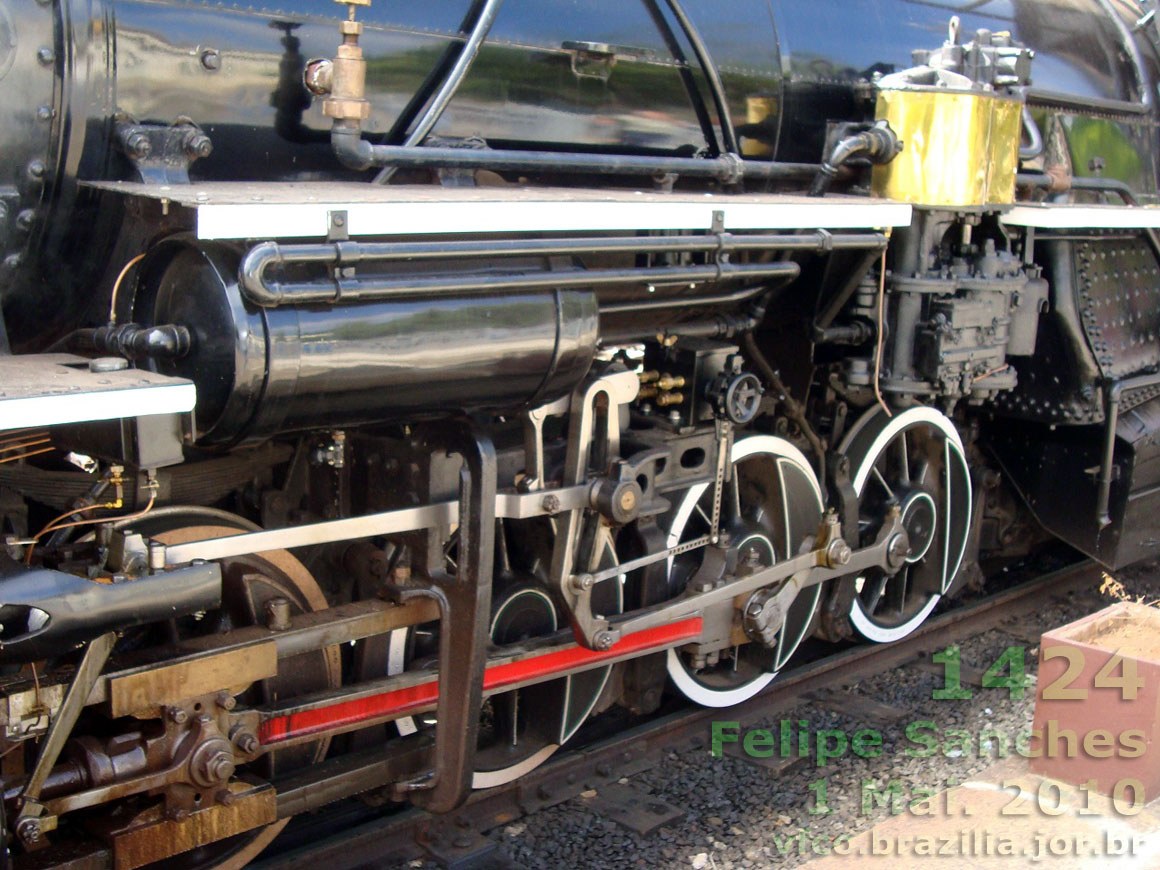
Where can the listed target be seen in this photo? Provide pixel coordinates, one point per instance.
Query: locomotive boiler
(391, 389)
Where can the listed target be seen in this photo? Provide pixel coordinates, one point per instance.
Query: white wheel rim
(685, 682)
(859, 619)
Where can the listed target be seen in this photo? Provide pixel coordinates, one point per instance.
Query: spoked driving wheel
(914, 460)
(521, 728)
(770, 505)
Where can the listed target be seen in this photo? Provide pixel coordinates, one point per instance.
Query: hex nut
(29, 830)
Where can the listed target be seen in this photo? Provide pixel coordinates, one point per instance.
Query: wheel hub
(524, 614)
(920, 519)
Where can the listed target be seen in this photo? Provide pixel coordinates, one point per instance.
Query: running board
(275, 210)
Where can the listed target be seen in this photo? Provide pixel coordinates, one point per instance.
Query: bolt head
(139, 146)
(898, 550)
(840, 553)
(226, 701)
(178, 716)
(221, 767)
(29, 831)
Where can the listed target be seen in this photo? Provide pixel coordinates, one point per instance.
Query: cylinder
(261, 372)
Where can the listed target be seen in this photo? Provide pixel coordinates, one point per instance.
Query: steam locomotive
(388, 390)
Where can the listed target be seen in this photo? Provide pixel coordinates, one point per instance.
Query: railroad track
(348, 839)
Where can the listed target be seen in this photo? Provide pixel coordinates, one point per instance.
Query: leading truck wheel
(248, 582)
(771, 503)
(914, 460)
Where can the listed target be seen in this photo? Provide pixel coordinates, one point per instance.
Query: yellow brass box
(758, 110)
(959, 148)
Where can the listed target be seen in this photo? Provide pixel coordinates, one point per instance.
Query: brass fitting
(669, 382)
(318, 76)
(666, 399)
(348, 78)
(649, 377)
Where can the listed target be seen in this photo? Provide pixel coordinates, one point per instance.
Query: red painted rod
(398, 702)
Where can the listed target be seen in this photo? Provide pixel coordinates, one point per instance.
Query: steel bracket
(464, 602)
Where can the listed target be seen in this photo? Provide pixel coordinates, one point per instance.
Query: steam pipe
(344, 81)
(352, 253)
(878, 144)
(692, 88)
(259, 289)
(1113, 392)
(1034, 146)
(1057, 184)
(1132, 50)
(692, 301)
(718, 326)
(450, 84)
(354, 152)
(1064, 184)
(712, 76)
